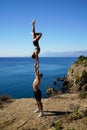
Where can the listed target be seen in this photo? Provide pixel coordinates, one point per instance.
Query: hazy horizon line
(54, 54)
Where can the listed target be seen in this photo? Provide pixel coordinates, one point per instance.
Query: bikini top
(35, 43)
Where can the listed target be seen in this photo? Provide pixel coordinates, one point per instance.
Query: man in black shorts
(37, 92)
(37, 95)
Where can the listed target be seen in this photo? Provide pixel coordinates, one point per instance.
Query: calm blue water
(17, 74)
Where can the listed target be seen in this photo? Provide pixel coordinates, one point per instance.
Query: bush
(83, 95)
(58, 125)
(81, 58)
(77, 79)
(4, 99)
(84, 77)
(71, 129)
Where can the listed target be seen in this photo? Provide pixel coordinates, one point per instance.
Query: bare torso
(36, 84)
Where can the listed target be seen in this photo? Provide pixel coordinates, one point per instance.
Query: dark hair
(33, 55)
(41, 75)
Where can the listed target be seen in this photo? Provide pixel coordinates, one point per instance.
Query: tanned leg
(33, 28)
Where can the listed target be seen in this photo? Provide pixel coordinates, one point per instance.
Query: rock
(50, 91)
(55, 83)
(77, 75)
(61, 79)
(84, 88)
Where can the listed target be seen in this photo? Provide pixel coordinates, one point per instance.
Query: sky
(63, 24)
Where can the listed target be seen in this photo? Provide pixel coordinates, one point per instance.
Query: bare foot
(33, 21)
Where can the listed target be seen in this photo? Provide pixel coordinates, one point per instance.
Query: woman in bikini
(36, 37)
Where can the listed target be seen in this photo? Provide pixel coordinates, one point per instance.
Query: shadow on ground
(55, 113)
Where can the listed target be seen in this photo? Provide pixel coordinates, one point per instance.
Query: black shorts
(37, 95)
(37, 48)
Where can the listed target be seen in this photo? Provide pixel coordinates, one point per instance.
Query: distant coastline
(53, 54)
(65, 54)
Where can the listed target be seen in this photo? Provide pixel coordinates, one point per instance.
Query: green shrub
(77, 79)
(82, 60)
(71, 129)
(84, 77)
(58, 125)
(83, 94)
(84, 73)
(75, 115)
(4, 99)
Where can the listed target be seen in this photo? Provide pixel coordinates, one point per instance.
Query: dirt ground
(61, 112)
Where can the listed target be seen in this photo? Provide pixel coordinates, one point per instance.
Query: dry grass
(62, 112)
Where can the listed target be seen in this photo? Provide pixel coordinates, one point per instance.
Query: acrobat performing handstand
(36, 38)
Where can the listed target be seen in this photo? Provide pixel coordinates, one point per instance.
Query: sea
(17, 74)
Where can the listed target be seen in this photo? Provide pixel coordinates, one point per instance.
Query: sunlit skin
(36, 83)
(36, 38)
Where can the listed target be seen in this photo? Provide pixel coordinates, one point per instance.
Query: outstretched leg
(33, 29)
(36, 36)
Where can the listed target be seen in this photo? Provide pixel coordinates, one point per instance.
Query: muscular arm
(38, 36)
(37, 61)
(36, 71)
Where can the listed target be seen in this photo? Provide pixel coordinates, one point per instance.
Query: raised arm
(37, 61)
(36, 71)
(38, 36)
